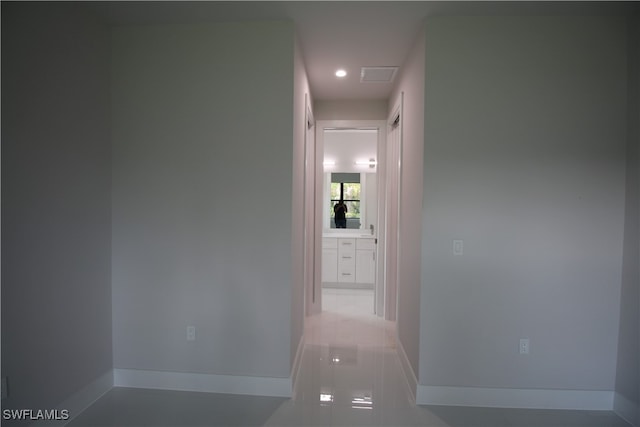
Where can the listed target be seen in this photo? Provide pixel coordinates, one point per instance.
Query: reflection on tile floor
(350, 375)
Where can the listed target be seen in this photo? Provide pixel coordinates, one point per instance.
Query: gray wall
(350, 110)
(202, 196)
(525, 134)
(56, 190)
(628, 373)
(412, 83)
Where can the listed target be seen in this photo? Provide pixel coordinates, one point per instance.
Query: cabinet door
(365, 266)
(329, 264)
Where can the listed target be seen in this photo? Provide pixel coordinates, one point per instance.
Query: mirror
(350, 166)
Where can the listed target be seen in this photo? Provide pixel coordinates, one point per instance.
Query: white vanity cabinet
(348, 260)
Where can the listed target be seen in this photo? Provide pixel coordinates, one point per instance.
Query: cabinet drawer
(346, 272)
(346, 246)
(366, 244)
(329, 243)
(347, 257)
(347, 243)
(347, 263)
(346, 277)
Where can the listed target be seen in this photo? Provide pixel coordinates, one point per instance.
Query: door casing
(382, 127)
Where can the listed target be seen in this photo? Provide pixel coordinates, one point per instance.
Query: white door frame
(311, 270)
(381, 126)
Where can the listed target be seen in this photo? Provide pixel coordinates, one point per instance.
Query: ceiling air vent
(377, 74)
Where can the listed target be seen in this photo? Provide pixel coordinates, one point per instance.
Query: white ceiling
(343, 34)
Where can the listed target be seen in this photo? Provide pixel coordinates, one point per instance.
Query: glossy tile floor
(350, 376)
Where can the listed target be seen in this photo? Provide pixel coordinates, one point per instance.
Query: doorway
(350, 167)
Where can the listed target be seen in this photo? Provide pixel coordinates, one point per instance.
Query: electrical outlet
(458, 246)
(524, 346)
(191, 333)
(5, 389)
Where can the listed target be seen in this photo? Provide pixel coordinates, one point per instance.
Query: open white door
(392, 209)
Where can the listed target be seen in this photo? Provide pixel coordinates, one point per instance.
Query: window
(350, 193)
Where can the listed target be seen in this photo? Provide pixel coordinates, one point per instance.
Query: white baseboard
(81, 400)
(410, 376)
(627, 409)
(515, 398)
(184, 381)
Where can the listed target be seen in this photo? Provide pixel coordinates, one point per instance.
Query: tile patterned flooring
(350, 376)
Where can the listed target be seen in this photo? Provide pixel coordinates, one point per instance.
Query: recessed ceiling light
(341, 73)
